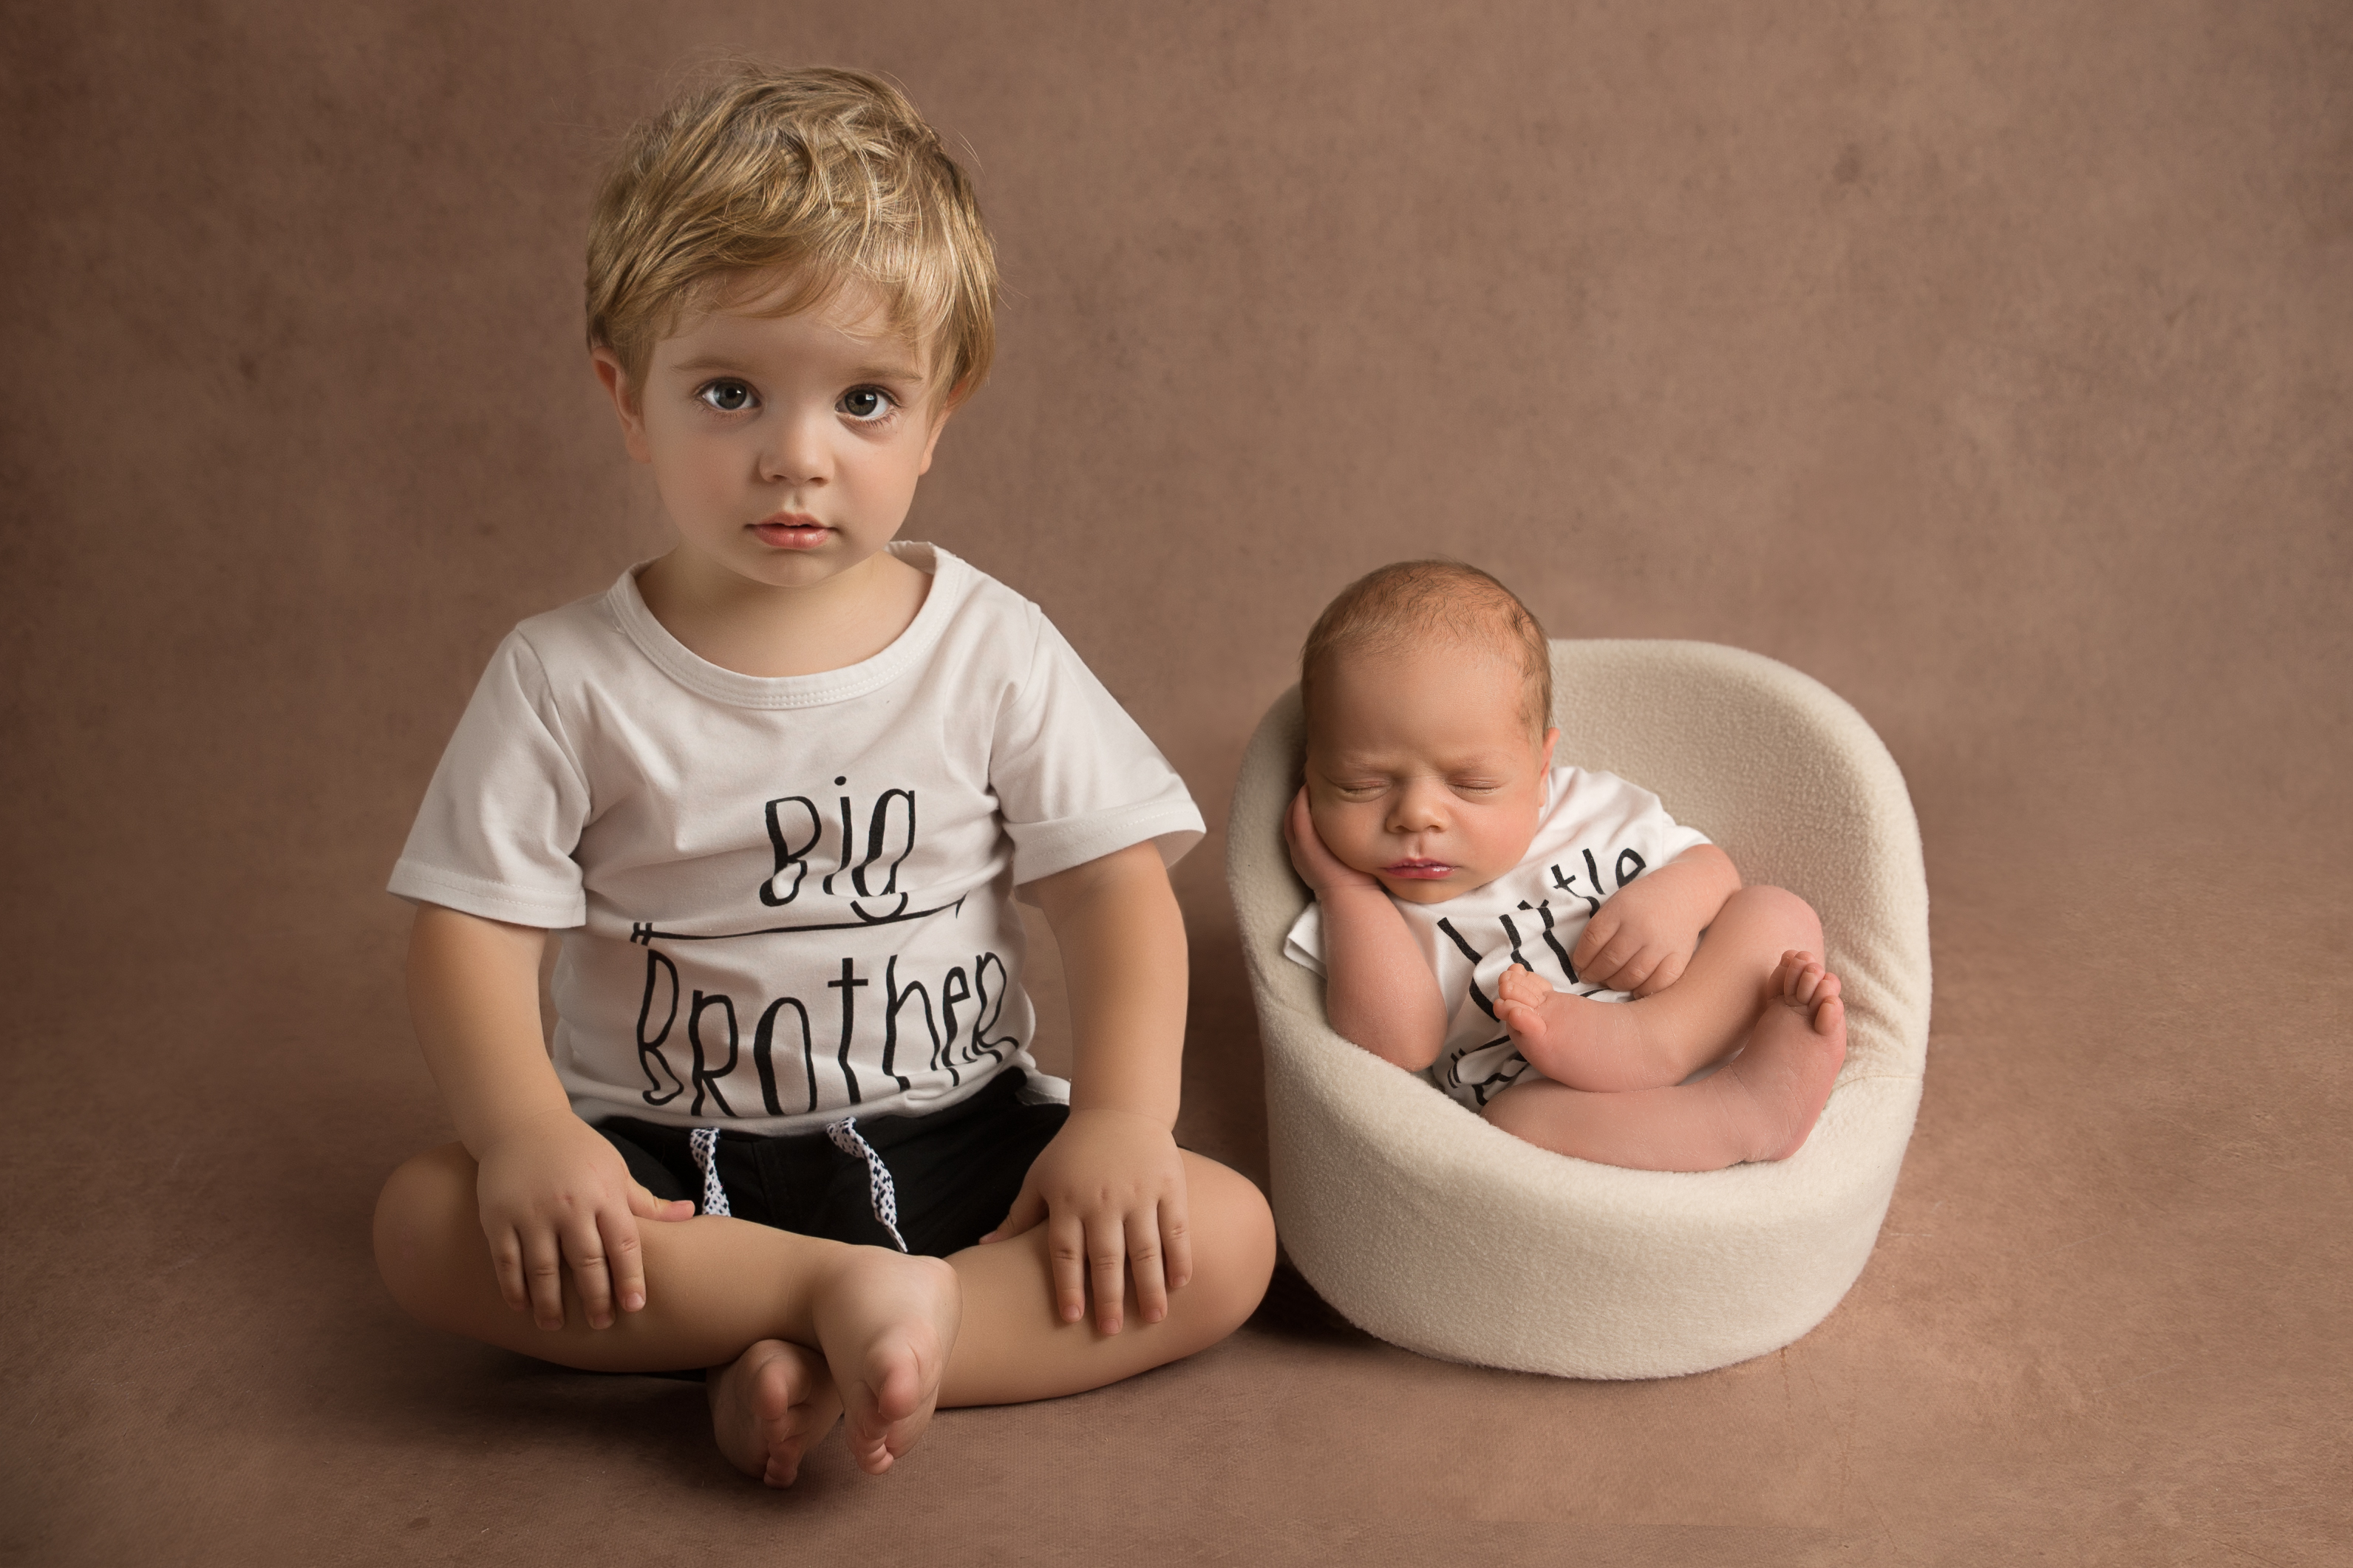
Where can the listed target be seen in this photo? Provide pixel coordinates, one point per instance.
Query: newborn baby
(1530, 937)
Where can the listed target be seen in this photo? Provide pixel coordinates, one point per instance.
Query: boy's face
(1422, 768)
(785, 449)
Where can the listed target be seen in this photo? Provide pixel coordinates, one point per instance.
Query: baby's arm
(552, 1193)
(1377, 988)
(1111, 1186)
(1644, 933)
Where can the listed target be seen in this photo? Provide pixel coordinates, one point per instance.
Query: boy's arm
(552, 1193)
(1378, 989)
(1111, 1186)
(1644, 933)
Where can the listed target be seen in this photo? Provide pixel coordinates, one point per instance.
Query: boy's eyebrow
(878, 370)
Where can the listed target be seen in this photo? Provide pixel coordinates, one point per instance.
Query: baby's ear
(1552, 738)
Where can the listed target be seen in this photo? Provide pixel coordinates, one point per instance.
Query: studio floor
(1990, 366)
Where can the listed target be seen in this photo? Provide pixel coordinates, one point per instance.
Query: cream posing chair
(1429, 1229)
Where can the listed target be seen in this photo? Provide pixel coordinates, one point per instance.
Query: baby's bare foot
(1793, 1055)
(887, 1323)
(770, 1407)
(1574, 1040)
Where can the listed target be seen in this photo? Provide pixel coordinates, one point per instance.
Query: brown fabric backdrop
(1989, 363)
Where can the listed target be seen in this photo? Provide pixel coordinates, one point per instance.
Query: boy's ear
(948, 405)
(1552, 738)
(627, 402)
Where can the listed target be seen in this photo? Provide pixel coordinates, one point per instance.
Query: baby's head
(784, 188)
(1428, 686)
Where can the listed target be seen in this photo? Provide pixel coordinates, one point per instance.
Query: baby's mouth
(1419, 871)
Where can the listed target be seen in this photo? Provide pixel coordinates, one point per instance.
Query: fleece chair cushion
(1429, 1229)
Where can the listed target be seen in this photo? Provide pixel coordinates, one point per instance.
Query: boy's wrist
(507, 1125)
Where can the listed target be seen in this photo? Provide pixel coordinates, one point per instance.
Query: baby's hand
(555, 1194)
(1317, 865)
(1640, 939)
(1111, 1190)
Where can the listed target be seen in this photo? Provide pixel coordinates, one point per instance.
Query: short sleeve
(1304, 944)
(1672, 837)
(504, 813)
(1075, 777)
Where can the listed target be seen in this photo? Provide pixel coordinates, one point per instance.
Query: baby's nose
(1421, 808)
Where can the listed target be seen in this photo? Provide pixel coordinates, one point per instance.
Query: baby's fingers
(1669, 971)
(1587, 953)
(1635, 971)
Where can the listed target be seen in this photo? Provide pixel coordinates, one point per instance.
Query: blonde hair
(821, 175)
(1391, 609)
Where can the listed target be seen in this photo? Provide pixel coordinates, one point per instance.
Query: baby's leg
(1761, 1106)
(883, 1322)
(1653, 1041)
(1015, 1346)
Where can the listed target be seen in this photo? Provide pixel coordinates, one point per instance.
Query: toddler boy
(776, 788)
(1453, 865)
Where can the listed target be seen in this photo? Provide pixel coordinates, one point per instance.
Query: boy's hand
(1645, 932)
(1317, 865)
(1111, 1191)
(554, 1196)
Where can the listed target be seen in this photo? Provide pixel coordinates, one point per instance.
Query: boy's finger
(645, 1205)
(584, 1250)
(1176, 1243)
(1028, 1210)
(1107, 1261)
(626, 1258)
(1147, 1263)
(543, 1277)
(1066, 1254)
(506, 1257)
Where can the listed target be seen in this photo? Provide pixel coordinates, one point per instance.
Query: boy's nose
(796, 452)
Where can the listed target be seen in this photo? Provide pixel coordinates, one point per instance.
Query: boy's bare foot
(770, 1407)
(1792, 1057)
(1575, 1040)
(887, 1321)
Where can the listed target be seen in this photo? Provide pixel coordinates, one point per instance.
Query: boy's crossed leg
(796, 1328)
(1655, 1041)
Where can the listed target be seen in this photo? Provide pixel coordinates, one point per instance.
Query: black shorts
(942, 1181)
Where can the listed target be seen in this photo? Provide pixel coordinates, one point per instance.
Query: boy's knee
(1233, 1244)
(421, 1203)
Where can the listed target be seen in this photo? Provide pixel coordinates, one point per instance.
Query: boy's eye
(866, 403)
(727, 396)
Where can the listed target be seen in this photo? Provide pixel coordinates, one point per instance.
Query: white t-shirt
(1596, 832)
(785, 900)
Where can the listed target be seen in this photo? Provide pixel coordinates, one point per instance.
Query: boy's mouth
(1419, 871)
(791, 531)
